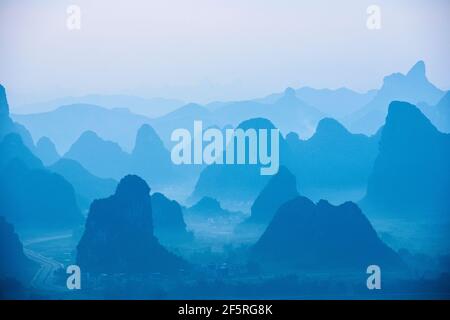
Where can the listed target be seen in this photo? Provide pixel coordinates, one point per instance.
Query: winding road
(43, 278)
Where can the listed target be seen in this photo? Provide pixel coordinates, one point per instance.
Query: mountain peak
(256, 123)
(147, 136)
(289, 92)
(208, 203)
(89, 135)
(4, 108)
(402, 112)
(280, 188)
(418, 70)
(46, 151)
(330, 126)
(46, 143)
(289, 97)
(132, 186)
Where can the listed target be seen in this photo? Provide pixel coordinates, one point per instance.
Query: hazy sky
(203, 50)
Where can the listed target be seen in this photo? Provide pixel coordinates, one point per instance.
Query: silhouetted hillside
(46, 151)
(304, 235)
(153, 107)
(168, 221)
(208, 208)
(118, 236)
(334, 103)
(237, 186)
(333, 157)
(102, 158)
(410, 175)
(33, 197)
(65, 124)
(13, 262)
(7, 126)
(439, 114)
(182, 117)
(150, 159)
(413, 87)
(87, 186)
(288, 112)
(12, 148)
(280, 188)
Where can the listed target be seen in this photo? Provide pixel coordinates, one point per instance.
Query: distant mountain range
(295, 110)
(148, 159)
(65, 124)
(413, 87)
(337, 103)
(153, 107)
(288, 113)
(103, 158)
(237, 186)
(208, 208)
(87, 186)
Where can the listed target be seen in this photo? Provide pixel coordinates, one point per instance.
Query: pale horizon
(221, 51)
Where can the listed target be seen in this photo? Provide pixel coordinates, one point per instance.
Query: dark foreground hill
(411, 174)
(13, 262)
(304, 235)
(118, 236)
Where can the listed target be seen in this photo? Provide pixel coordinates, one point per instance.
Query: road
(43, 278)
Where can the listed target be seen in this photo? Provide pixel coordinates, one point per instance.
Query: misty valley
(108, 203)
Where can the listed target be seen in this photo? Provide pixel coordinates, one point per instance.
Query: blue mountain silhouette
(13, 262)
(150, 159)
(333, 157)
(12, 148)
(153, 107)
(413, 87)
(208, 207)
(46, 151)
(87, 186)
(65, 124)
(410, 175)
(168, 221)
(183, 117)
(280, 188)
(288, 113)
(33, 197)
(118, 236)
(8, 126)
(236, 184)
(304, 235)
(102, 158)
(333, 103)
(439, 114)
